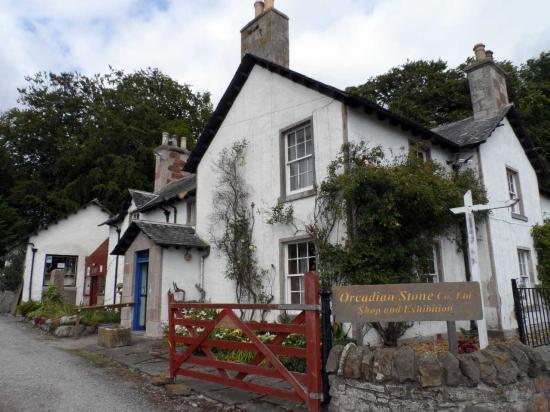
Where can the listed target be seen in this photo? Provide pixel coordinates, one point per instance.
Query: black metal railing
(532, 308)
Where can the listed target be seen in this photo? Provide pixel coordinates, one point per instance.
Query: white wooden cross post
(473, 259)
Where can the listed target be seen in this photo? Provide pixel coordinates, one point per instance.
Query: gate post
(519, 312)
(313, 342)
(326, 333)
(171, 337)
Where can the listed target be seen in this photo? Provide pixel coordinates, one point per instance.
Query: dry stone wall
(504, 377)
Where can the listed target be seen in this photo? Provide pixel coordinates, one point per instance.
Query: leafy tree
(74, 138)
(541, 238)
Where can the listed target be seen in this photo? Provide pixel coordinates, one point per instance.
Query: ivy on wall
(233, 227)
(541, 239)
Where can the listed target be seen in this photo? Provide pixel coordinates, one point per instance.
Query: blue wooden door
(140, 291)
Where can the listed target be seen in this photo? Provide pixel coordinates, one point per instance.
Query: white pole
(473, 263)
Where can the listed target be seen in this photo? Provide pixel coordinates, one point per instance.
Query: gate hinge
(316, 396)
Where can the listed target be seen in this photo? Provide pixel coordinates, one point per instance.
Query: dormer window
(136, 216)
(299, 161)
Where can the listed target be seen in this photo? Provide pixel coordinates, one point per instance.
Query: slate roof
(249, 61)
(162, 234)
(468, 132)
(173, 190)
(140, 197)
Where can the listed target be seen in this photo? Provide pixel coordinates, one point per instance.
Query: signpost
(473, 259)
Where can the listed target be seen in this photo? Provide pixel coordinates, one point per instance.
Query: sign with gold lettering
(445, 301)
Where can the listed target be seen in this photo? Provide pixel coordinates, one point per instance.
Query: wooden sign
(446, 301)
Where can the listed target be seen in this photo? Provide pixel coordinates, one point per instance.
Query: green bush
(26, 307)
(52, 306)
(95, 317)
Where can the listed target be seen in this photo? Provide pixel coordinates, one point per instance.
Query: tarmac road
(35, 376)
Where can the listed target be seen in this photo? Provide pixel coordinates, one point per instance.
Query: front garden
(54, 315)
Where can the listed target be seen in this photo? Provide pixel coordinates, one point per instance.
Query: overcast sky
(340, 42)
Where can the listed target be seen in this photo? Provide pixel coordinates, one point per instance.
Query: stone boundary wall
(503, 377)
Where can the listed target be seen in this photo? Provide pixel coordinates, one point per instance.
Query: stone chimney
(267, 35)
(170, 159)
(487, 84)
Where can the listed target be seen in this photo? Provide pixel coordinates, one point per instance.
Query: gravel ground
(34, 376)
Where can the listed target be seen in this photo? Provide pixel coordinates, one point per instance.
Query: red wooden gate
(198, 345)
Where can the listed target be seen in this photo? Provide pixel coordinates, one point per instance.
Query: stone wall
(6, 300)
(504, 377)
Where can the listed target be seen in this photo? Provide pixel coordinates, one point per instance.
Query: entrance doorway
(140, 291)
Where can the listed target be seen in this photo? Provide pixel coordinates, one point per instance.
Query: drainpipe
(175, 212)
(116, 267)
(166, 214)
(34, 250)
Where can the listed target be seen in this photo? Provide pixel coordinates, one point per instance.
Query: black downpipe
(34, 250)
(326, 333)
(166, 214)
(116, 267)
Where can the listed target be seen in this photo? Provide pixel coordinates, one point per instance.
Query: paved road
(34, 376)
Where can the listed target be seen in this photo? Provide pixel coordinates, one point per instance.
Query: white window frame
(437, 265)
(288, 276)
(525, 267)
(287, 162)
(514, 192)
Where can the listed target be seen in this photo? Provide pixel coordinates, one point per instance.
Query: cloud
(198, 42)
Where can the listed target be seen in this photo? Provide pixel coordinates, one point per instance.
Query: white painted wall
(503, 150)
(112, 262)
(77, 235)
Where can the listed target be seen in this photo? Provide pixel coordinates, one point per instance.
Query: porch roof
(162, 234)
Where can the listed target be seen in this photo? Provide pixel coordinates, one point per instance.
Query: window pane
(292, 267)
(292, 248)
(303, 265)
(294, 168)
(302, 249)
(308, 132)
(308, 179)
(292, 153)
(311, 249)
(295, 298)
(291, 139)
(312, 265)
(300, 136)
(309, 147)
(294, 183)
(295, 284)
(301, 150)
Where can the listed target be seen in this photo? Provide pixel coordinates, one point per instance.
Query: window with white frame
(300, 257)
(299, 159)
(514, 191)
(67, 263)
(434, 272)
(421, 150)
(526, 272)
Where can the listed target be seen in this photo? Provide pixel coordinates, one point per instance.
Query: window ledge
(519, 217)
(297, 196)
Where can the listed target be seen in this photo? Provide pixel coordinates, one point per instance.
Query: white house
(156, 242)
(66, 244)
(271, 106)
(295, 126)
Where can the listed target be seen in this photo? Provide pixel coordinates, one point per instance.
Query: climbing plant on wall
(541, 238)
(233, 227)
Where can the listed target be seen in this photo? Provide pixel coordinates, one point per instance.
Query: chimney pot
(489, 54)
(259, 7)
(479, 50)
(165, 138)
(183, 144)
(269, 4)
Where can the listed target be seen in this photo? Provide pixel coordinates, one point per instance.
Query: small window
(191, 212)
(434, 271)
(299, 157)
(421, 150)
(514, 192)
(66, 263)
(136, 216)
(526, 272)
(300, 260)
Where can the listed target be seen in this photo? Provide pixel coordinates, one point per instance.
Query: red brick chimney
(170, 159)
